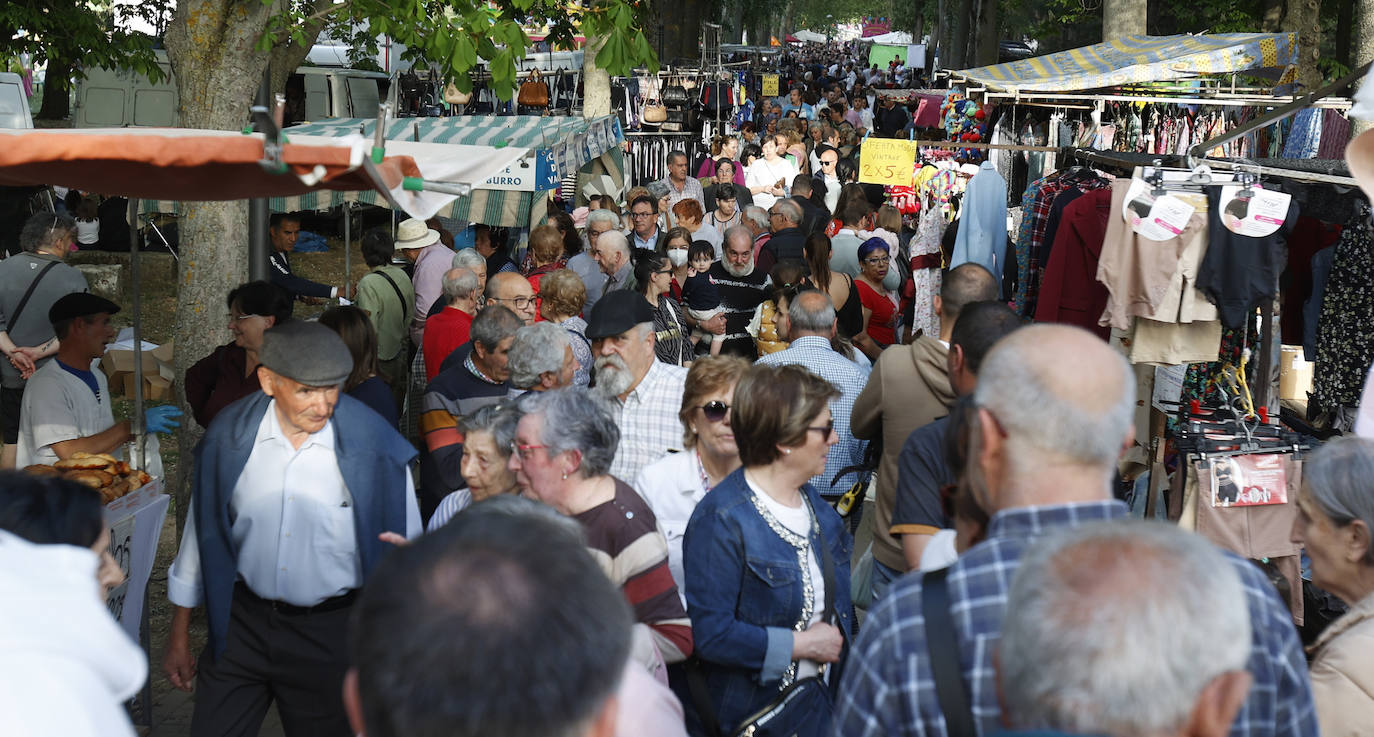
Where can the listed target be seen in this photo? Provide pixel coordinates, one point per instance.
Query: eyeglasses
(668, 270)
(519, 302)
(828, 163)
(641, 215)
(241, 318)
(714, 410)
(525, 451)
(876, 260)
(825, 429)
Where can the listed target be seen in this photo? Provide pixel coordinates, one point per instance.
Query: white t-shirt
(763, 173)
(88, 232)
(798, 520)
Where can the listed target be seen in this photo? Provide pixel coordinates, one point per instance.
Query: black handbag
(793, 713)
(674, 93)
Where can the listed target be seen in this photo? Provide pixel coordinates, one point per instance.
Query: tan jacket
(909, 388)
(1343, 673)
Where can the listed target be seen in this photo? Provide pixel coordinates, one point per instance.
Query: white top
(60, 406)
(672, 488)
(798, 520)
(292, 523)
(88, 232)
(939, 552)
(66, 666)
(762, 173)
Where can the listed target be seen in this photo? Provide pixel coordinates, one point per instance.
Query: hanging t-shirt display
(1241, 271)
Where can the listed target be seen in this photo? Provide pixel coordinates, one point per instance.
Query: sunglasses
(825, 429)
(714, 410)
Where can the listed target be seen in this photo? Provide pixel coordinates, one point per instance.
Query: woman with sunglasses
(765, 559)
(654, 275)
(673, 485)
(564, 444)
(881, 309)
(230, 372)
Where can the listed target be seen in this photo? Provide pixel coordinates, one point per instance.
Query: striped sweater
(623, 537)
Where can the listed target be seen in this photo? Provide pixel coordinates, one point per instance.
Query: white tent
(892, 37)
(809, 37)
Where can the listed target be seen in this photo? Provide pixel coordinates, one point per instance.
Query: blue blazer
(745, 594)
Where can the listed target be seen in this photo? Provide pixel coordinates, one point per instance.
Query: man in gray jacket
(30, 282)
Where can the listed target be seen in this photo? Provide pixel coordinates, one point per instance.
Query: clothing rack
(1221, 99)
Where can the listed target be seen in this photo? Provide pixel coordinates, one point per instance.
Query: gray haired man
(1096, 645)
(1049, 433)
(541, 358)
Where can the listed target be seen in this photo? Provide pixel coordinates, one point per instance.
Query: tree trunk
(1304, 17)
(1123, 18)
(596, 82)
(57, 98)
(988, 34)
(217, 68)
(1345, 29)
(1362, 53)
(958, 47)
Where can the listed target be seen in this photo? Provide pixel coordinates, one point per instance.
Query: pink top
(708, 170)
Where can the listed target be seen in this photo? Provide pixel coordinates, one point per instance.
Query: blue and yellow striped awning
(1140, 59)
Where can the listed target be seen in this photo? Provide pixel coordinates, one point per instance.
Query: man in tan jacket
(909, 388)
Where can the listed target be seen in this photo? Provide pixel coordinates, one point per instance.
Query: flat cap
(307, 352)
(617, 312)
(79, 304)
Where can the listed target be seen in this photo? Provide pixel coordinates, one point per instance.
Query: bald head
(964, 285)
(512, 291)
(1064, 400)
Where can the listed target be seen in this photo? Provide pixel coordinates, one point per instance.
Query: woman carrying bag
(766, 564)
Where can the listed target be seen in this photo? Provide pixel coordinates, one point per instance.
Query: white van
(14, 104)
(117, 98)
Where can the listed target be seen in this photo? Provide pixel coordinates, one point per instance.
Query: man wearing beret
(295, 490)
(66, 406)
(647, 391)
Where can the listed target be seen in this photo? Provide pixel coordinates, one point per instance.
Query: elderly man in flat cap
(294, 490)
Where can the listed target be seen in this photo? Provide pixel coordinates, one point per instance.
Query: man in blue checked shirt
(808, 320)
(1051, 431)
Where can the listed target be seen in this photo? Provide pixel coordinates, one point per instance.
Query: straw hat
(414, 233)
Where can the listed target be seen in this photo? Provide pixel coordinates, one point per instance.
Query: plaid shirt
(889, 689)
(649, 424)
(1036, 204)
(815, 353)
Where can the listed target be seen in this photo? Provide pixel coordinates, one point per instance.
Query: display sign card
(887, 161)
(1248, 481)
(1256, 213)
(1156, 218)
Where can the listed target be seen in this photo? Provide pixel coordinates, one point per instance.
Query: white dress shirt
(672, 487)
(291, 519)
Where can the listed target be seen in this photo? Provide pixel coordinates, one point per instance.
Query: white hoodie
(66, 666)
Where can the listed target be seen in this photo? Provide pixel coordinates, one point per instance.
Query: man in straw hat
(420, 244)
(293, 490)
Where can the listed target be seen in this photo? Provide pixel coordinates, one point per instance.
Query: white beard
(613, 377)
(734, 270)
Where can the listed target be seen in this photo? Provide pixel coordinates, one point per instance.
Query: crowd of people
(643, 447)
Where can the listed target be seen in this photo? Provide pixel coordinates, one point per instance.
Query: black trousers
(297, 659)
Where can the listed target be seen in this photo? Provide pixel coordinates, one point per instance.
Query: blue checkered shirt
(888, 688)
(815, 353)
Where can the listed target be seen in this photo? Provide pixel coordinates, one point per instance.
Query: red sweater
(443, 332)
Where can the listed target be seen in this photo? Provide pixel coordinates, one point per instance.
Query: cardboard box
(119, 364)
(163, 354)
(155, 387)
(1295, 374)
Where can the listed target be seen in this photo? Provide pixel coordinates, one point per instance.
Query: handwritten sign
(770, 85)
(887, 161)
(135, 523)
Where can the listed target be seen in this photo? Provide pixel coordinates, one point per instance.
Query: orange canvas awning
(188, 164)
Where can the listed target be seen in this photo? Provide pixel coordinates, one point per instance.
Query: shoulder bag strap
(943, 644)
(701, 698)
(24, 300)
(392, 282)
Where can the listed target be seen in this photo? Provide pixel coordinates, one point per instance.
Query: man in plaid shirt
(1050, 432)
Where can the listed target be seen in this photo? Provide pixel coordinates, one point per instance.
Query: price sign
(770, 85)
(115, 601)
(887, 161)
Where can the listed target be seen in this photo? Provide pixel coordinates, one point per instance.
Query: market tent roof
(188, 163)
(808, 37)
(892, 37)
(1138, 59)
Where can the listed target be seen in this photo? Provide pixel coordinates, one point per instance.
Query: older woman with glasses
(1335, 523)
(881, 308)
(562, 454)
(230, 372)
(562, 296)
(766, 560)
(487, 437)
(674, 484)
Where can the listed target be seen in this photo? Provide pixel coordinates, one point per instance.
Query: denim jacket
(745, 595)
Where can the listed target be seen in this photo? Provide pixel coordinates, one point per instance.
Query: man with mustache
(647, 392)
(743, 287)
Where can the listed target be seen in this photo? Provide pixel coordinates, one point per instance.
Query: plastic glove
(161, 418)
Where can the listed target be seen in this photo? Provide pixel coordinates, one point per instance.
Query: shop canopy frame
(1139, 59)
(570, 143)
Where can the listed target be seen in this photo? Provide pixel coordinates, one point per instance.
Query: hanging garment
(1345, 344)
(1335, 135)
(983, 233)
(1305, 139)
(1240, 272)
(925, 270)
(1069, 290)
(1137, 271)
(1037, 204)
